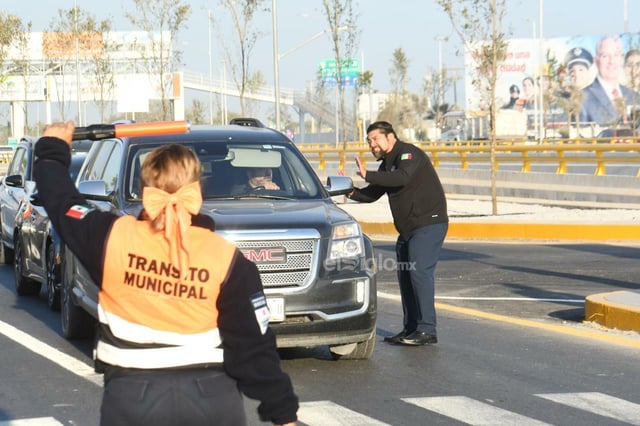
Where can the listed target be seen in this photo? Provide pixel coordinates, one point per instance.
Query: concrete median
(616, 309)
(524, 231)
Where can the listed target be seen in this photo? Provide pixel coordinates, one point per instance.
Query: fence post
(601, 169)
(321, 162)
(434, 159)
(464, 163)
(562, 164)
(526, 163)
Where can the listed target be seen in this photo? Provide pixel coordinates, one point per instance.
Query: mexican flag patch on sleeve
(78, 211)
(406, 156)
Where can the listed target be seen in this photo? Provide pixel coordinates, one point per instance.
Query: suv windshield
(232, 170)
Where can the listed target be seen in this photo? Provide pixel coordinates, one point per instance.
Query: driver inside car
(260, 177)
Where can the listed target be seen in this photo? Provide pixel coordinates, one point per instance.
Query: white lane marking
(322, 413)
(40, 421)
(65, 361)
(517, 299)
(472, 412)
(598, 403)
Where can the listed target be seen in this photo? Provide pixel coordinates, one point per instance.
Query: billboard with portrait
(601, 71)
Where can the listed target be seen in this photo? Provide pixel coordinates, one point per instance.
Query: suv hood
(280, 214)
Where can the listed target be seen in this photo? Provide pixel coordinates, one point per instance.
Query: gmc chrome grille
(297, 269)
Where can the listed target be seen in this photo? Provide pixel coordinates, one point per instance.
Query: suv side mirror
(14, 180)
(94, 189)
(339, 185)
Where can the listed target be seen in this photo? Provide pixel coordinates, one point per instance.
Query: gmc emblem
(265, 255)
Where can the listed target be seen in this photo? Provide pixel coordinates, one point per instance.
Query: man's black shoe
(418, 338)
(396, 338)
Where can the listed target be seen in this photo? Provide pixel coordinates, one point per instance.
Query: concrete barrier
(567, 190)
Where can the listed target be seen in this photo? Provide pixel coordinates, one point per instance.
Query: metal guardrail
(6, 156)
(599, 152)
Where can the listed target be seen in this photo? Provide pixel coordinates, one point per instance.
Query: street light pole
(276, 59)
(542, 61)
(439, 39)
(210, 70)
(277, 56)
(79, 95)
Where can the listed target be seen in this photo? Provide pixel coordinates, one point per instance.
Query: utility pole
(210, 70)
(79, 94)
(276, 59)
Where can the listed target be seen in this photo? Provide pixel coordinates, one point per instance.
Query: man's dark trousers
(417, 256)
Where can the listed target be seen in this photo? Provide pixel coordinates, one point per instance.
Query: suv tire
(24, 286)
(52, 278)
(360, 350)
(76, 322)
(6, 254)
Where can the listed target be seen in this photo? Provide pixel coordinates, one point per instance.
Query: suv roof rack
(246, 121)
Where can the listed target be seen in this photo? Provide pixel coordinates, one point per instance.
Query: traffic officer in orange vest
(183, 328)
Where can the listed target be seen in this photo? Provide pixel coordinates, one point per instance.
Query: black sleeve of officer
(250, 356)
(86, 236)
(368, 194)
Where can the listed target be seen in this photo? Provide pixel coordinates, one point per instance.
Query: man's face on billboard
(632, 70)
(609, 59)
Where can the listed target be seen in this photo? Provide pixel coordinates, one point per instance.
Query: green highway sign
(348, 68)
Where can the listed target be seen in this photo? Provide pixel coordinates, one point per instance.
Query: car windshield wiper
(260, 195)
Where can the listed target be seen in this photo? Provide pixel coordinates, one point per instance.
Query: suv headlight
(346, 241)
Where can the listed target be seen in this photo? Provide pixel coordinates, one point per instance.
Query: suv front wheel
(359, 350)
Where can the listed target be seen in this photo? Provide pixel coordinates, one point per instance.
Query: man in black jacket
(419, 210)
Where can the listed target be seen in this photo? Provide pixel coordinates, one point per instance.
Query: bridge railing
(228, 87)
(561, 153)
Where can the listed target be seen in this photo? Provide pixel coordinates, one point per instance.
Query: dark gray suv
(316, 266)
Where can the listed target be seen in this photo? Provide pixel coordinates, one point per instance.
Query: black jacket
(415, 193)
(249, 356)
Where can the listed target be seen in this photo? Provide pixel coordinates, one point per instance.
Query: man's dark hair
(384, 126)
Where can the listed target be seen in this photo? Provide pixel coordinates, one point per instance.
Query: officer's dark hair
(384, 126)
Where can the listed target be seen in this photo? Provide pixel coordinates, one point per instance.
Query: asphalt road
(512, 349)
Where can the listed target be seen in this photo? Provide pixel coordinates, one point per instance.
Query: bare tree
(157, 17)
(399, 73)
(197, 113)
(479, 25)
(398, 109)
(101, 62)
(238, 53)
(435, 86)
(344, 34)
(11, 27)
(69, 27)
(366, 84)
(22, 66)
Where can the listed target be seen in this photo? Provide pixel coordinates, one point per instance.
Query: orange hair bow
(178, 208)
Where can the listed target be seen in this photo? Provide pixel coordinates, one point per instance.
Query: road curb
(617, 309)
(524, 231)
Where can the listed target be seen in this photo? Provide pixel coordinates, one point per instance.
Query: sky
(413, 25)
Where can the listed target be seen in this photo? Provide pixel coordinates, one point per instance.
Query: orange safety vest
(143, 299)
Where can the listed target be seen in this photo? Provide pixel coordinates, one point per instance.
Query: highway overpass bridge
(63, 88)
